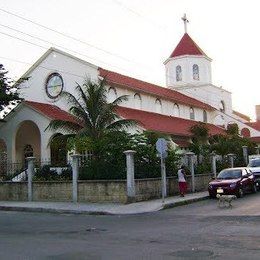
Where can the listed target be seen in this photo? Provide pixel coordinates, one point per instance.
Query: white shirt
(181, 176)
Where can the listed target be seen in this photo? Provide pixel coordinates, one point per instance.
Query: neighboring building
(189, 97)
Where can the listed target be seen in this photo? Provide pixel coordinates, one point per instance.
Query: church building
(189, 96)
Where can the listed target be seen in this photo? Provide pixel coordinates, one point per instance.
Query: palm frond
(81, 115)
(71, 99)
(65, 126)
(120, 99)
(56, 140)
(122, 124)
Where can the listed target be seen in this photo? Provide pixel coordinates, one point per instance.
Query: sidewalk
(102, 208)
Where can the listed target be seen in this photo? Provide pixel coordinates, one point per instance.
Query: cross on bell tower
(185, 21)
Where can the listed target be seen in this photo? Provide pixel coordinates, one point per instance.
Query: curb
(56, 211)
(182, 203)
(87, 212)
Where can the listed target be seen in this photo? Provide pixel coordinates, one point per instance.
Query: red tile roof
(182, 143)
(152, 89)
(187, 46)
(164, 124)
(255, 125)
(51, 111)
(241, 115)
(255, 139)
(147, 120)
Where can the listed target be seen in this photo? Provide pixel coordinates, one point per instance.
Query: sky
(135, 37)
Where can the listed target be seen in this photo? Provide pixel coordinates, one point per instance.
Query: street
(196, 231)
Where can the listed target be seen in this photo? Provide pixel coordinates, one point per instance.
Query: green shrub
(44, 173)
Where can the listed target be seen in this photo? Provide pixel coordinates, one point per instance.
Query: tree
(200, 136)
(200, 133)
(8, 91)
(231, 143)
(232, 129)
(94, 116)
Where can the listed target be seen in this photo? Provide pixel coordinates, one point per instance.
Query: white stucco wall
(148, 104)
(186, 62)
(72, 70)
(209, 94)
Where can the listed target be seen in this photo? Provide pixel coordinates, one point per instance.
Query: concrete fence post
(213, 164)
(190, 156)
(231, 159)
(75, 175)
(163, 173)
(245, 154)
(130, 170)
(30, 172)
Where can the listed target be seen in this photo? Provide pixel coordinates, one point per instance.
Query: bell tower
(188, 64)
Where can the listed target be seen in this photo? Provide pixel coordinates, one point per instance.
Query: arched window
(192, 114)
(112, 95)
(222, 106)
(178, 73)
(158, 106)
(205, 116)
(196, 73)
(137, 101)
(176, 110)
(245, 132)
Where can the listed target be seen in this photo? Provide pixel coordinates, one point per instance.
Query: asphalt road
(196, 231)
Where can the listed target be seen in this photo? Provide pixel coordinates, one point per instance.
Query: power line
(67, 36)
(17, 38)
(59, 46)
(139, 15)
(51, 43)
(44, 67)
(78, 53)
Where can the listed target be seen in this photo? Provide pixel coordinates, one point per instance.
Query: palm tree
(94, 115)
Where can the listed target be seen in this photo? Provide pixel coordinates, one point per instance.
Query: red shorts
(183, 187)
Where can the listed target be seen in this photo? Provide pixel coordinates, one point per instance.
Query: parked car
(254, 165)
(233, 181)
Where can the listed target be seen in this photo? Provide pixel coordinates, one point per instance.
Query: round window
(54, 85)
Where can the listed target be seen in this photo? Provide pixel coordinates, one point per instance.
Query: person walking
(182, 181)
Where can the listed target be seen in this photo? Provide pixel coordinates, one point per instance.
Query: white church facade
(188, 97)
